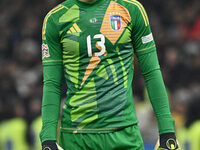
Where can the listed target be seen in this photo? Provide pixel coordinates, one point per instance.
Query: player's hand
(49, 145)
(167, 142)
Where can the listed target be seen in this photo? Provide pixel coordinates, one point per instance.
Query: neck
(87, 0)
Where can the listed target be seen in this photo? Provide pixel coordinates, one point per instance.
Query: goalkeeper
(94, 42)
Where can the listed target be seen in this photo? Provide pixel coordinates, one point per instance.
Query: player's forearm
(159, 100)
(156, 91)
(50, 113)
(51, 102)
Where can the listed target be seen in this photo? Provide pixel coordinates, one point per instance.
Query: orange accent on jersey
(94, 61)
(100, 48)
(114, 9)
(75, 131)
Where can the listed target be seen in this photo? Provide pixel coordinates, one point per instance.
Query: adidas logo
(74, 29)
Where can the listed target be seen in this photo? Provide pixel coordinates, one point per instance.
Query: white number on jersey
(99, 43)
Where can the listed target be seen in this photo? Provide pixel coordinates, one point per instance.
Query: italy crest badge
(115, 22)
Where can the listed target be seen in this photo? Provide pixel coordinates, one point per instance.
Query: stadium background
(176, 28)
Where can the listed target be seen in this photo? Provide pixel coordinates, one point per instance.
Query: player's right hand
(49, 145)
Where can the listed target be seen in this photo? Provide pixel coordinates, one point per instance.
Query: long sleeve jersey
(95, 43)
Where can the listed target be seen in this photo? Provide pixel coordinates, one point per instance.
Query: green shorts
(128, 138)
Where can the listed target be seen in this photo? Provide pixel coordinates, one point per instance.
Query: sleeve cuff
(166, 124)
(49, 134)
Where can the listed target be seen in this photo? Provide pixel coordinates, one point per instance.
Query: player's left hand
(168, 142)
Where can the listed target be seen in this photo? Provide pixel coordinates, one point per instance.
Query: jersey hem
(101, 130)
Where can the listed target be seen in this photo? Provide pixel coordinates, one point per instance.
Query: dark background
(176, 28)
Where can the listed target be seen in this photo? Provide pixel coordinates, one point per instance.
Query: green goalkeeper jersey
(95, 43)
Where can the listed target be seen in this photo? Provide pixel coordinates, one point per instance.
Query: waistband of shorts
(90, 130)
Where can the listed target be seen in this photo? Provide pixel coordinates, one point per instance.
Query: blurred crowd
(176, 28)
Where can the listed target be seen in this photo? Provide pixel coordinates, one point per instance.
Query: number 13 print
(99, 43)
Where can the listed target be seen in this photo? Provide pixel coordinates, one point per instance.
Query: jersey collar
(88, 4)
